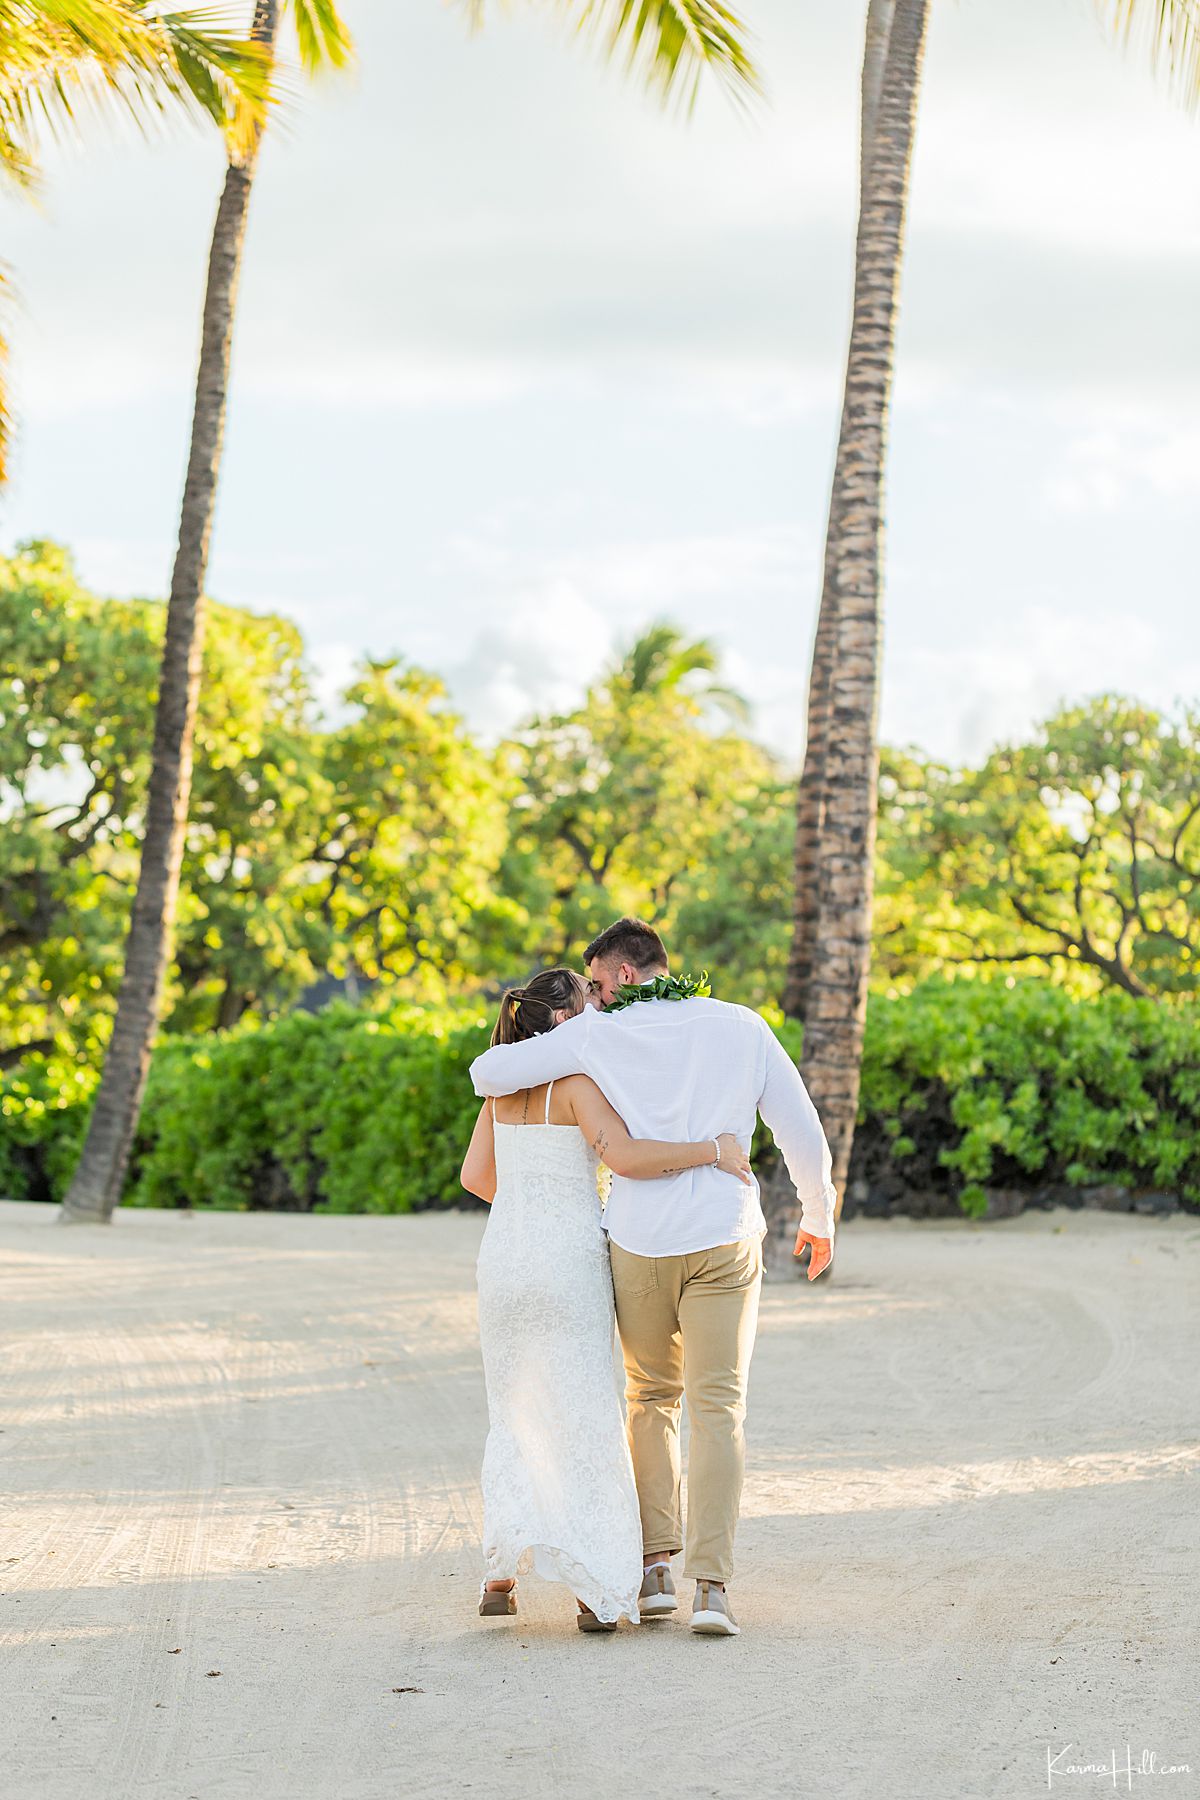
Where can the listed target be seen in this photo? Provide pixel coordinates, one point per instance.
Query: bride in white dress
(558, 1489)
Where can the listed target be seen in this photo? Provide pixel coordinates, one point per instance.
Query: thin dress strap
(549, 1091)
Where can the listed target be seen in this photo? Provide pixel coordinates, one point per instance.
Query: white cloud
(554, 619)
(1093, 475)
(637, 576)
(378, 380)
(958, 699)
(1123, 463)
(641, 579)
(122, 566)
(538, 653)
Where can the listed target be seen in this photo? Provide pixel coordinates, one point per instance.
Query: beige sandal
(586, 1619)
(497, 1603)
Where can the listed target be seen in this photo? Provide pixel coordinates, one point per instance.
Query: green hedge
(332, 1112)
(967, 1084)
(44, 1104)
(964, 1085)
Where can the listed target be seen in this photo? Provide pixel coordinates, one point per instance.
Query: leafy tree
(1078, 853)
(411, 829)
(391, 846)
(731, 908)
(631, 804)
(76, 705)
(66, 781)
(244, 941)
(370, 845)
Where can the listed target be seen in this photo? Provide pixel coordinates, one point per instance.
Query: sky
(525, 362)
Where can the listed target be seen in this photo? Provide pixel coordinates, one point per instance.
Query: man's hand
(821, 1252)
(734, 1160)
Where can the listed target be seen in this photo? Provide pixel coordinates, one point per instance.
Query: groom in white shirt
(687, 1249)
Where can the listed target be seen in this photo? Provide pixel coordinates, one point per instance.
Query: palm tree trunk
(810, 798)
(837, 999)
(98, 1180)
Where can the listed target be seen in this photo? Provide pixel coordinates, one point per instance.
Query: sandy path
(970, 1527)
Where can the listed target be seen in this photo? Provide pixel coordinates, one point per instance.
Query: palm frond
(1169, 31)
(17, 160)
(668, 44)
(32, 31)
(322, 35)
(663, 661)
(732, 702)
(55, 54)
(672, 44)
(227, 76)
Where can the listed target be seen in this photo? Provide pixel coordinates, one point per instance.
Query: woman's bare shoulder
(571, 1092)
(576, 1084)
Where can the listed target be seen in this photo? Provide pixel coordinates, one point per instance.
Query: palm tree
(810, 799)
(56, 53)
(671, 43)
(836, 803)
(96, 1185)
(836, 975)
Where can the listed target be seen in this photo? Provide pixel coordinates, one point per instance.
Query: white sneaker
(657, 1596)
(710, 1612)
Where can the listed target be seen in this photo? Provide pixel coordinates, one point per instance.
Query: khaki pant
(687, 1327)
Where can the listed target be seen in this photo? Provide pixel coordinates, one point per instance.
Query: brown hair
(527, 1011)
(629, 941)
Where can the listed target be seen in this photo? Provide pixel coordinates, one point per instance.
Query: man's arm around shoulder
(506, 1068)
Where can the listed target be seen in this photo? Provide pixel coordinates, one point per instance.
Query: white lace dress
(558, 1490)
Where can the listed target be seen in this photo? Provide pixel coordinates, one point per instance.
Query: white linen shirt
(682, 1070)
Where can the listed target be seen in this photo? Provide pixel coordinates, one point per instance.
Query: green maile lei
(662, 987)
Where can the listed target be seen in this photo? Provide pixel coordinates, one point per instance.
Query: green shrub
(965, 1085)
(338, 1111)
(44, 1104)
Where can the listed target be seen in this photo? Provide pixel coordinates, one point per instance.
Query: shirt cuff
(816, 1215)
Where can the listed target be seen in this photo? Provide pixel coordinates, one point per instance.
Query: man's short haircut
(629, 941)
